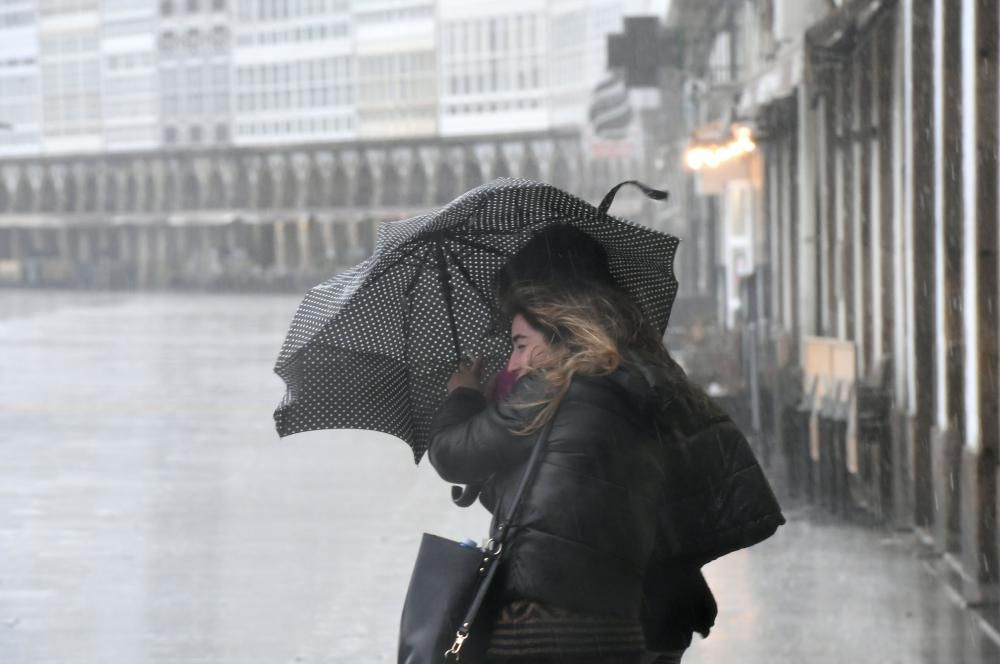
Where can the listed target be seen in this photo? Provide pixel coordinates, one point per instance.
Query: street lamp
(712, 156)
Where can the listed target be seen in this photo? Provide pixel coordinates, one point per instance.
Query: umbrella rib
(421, 266)
(468, 278)
(409, 254)
(407, 323)
(449, 299)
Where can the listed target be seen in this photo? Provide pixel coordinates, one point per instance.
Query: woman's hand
(468, 375)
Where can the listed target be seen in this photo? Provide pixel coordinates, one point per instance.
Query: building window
(170, 135)
(221, 133)
(194, 134)
(219, 5)
(167, 42)
(192, 6)
(166, 8)
(220, 38)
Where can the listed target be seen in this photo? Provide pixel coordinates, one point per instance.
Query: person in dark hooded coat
(570, 581)
(627, 510)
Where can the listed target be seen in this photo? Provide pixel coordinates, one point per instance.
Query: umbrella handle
(609, 197)
(463, 496)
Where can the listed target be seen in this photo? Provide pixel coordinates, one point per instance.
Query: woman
(570, 585)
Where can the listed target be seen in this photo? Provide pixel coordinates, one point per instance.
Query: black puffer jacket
(586, 527)
(644, 480)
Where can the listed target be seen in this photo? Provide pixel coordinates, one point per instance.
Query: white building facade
(493, 70)
(523, 65)
(130, 116)
(195, 65)
(119, 75)
(20, 79)
(397, 58)
(295, 72)
(69, 36)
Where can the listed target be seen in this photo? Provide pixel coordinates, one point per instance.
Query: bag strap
(609, 198)
(493, 549)
(529, 474)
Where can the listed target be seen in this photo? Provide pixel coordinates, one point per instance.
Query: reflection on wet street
(149, 513)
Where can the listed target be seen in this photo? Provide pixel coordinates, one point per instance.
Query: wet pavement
(148, 513)
(824, 592)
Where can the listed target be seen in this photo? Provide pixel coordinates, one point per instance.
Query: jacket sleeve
(471, 439)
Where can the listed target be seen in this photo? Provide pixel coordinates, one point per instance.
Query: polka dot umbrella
(373, 347)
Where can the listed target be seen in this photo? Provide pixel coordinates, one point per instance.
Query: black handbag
(449, 584)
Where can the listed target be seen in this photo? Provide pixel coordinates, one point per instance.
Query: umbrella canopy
(373, 347)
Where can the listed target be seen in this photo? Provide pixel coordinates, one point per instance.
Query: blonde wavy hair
(588, 328)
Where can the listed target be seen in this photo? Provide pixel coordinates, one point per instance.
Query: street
(149, 513)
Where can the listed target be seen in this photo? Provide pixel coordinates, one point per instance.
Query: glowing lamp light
(713, 156)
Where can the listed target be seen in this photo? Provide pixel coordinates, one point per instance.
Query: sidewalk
(823, 591)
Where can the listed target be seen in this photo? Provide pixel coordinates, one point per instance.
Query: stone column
(355, 250)
(253, 167)
(350, 161)
(331, 252)
(544, 151)
(401, 161)
(300, 163)
(426, 158)
(297, 241)
(901, 131)
(143, 256)
(377, 159)
(280, 251)
(925, 286)
(513, 153)
(979, 458)
(486, 156)
(275, 165)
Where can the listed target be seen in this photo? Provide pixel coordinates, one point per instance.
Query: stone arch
(190, 191)
(110, 202)
(289, 187)
(364, 186)
(473, 172)
(265, 189)
(314, 186)
(561, 176)
(215, 195)
(170, 191)
(339, 191)
(149, 194)
(446, 184)
(90, 186)
(530, 168)
(48, 197)
(70, 194)
(24, 195)
(501, 169)
(241, 185)
(393, 189)
(131, 193)
(416, 190)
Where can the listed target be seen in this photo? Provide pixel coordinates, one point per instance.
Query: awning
(776, 82)
(841, 29)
